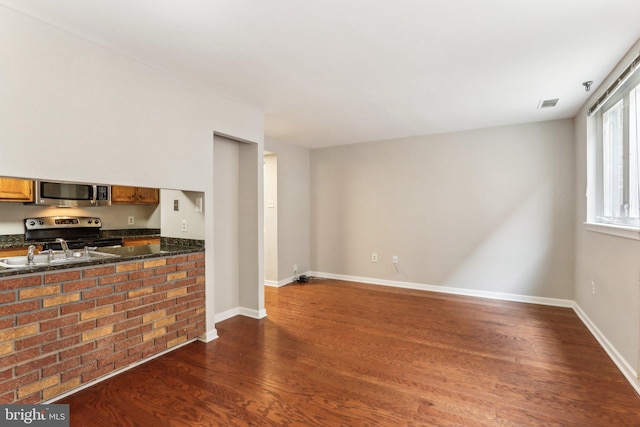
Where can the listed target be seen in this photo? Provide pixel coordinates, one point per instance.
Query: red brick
(98, 292)
(19, 382)
(178, 308)
(97, 373)
(58, 322)
(77, 328)
(166, 287)
(127, 325)
(200, 264)
(109, 360)
(81, 284)
(60, 367)
(162, 340)
(165, 269)
(111, 339)
(20, 282)
(115, 278)
(76, 307)
(37, 316)
(139, 330)
(135, 275)
(36, 340)
(198, 287)
(154, 280)
(164, 304)
(30, 400)
(112, 299)
(95, 355)
(185, 314)
(177, 259)
(99, 271)
(35, 365)
(195, 272)
(150, 299)
(6, 297)
(60, 344)
(19, 356)
(63, 276)
(186, 266)
(196, 256)
(9, 323)
(7, 398)
(127, 305)
(128, 360)
(140, 347)
(77, 372)
(132, 284)
(21, 307)
(111, 319)
(123, 345)
(7, 374)
(76, 351)
(139, 311)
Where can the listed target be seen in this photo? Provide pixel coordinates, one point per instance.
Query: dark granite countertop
(16, 241)
(167, 247)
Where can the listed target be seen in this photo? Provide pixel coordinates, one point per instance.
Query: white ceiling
(331, 72)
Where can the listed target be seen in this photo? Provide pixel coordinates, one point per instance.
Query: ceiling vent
(548, 103)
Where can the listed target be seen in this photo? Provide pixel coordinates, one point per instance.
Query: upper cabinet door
(134, 195)
(16, 190)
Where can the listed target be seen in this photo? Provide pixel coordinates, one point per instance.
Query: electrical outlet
(395, 259)
(131, 220)
(184, 225)
(374, 257)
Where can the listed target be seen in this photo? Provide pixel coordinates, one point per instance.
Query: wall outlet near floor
(183, 226)
(374, 257)
(395, 259)
(131, 220)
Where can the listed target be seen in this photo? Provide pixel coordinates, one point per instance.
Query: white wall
(74, 111)
(484, 210)
(171, 220)
(293, 208)
(226, 213)
(271, 217)
(612, 263)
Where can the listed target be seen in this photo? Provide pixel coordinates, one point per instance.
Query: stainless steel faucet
(30, 254)
(65, 247)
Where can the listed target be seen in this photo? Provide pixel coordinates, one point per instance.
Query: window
(618, 155)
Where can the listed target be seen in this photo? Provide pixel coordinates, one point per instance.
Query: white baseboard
(556, 302)
(240, 311)
(283, 282)
(209, 336)
(630, 374)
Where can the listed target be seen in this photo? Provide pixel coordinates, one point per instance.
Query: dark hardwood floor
(335, 353)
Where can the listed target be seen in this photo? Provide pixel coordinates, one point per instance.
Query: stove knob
(32, 222)
(97, 221)
(41, 222)
(89, 222)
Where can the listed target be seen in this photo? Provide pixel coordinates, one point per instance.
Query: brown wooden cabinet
(16, 190)
(121, 194)
(139, 241)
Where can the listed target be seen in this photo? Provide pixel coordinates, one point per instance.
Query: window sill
(614, 230)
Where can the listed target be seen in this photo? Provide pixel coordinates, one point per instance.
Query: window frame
(596, 221)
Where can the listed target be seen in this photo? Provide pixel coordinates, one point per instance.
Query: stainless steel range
(77, 231)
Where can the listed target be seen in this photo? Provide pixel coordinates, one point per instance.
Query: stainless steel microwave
(71, 194)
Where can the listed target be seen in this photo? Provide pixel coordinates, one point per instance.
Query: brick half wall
(62, 329)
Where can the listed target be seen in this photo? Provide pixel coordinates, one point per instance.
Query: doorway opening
(270, 219)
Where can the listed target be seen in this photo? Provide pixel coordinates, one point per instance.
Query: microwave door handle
(94, 196)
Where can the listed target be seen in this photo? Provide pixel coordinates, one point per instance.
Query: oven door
(69, 194)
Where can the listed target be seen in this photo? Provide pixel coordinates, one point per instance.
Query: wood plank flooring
(335, 353)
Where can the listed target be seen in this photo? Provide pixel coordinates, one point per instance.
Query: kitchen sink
(58, 257)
